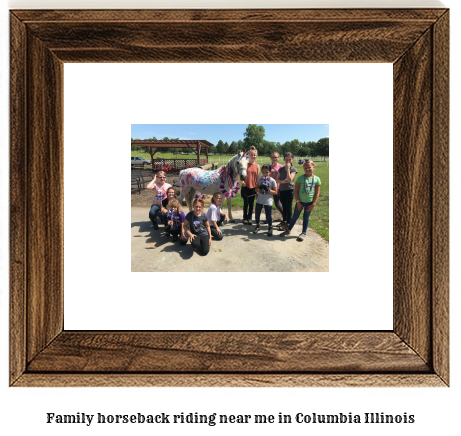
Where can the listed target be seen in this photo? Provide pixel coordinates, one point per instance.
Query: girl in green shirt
(307, 191)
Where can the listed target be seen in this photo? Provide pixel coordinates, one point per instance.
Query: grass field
(320, 217)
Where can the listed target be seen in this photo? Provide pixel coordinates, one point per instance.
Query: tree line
(254, 136)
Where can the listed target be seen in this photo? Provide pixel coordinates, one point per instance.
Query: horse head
(240, 165)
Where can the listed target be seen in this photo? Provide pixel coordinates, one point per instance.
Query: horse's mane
(231, 161)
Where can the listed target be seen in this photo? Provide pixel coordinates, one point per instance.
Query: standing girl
(275, 166)
(159, 186)
(197, 228)
(216, 216)
(266, 189)
(248, 186)
(307, 191)
(285, 178)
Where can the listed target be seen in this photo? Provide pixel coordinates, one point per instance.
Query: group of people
(276, 185)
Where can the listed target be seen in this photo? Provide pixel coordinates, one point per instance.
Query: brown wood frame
(414, 353)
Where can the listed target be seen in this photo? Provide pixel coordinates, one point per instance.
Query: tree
(254, 136)
(306, 148)
(240, 145)
(285, 148)
(226, 148)
(233, 148)
(269, 147)
(323, 147)
(295, 146)
(220, 147)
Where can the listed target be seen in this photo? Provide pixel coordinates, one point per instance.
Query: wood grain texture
(414, 354)
(230, 380)
(359, 41)
(441, 194)
(18, 227)
(412, 199)
(228, 352)
(45, 201)
(246, 15)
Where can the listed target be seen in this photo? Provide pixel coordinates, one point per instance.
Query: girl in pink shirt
(159, 186)
(275, 166)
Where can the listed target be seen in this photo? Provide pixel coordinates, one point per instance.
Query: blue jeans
(296, 214)
(267, 209)
(154, 211)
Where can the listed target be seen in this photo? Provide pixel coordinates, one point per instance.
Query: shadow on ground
(240, 250)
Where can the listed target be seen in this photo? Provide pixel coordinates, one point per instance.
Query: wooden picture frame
(414, 353)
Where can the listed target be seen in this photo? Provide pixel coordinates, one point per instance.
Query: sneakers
(257, 228)
(301, 237)
(155, 226)
(283, 226)
(175, 238)
(285, 234)
(250, 223)
(270, 232)
(245, 221)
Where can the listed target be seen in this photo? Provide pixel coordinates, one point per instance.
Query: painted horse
(224, 179)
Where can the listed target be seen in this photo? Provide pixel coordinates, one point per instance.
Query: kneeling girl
(197, 228)
(216, 216)
(175, 218)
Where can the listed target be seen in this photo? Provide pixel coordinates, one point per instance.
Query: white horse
(224, 179)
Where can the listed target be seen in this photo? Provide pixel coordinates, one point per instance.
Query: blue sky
(230, 132)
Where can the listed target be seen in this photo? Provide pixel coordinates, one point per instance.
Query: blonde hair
(275, 152)
(216, 195)
(176, 204)
(161, 173)
(253, 148)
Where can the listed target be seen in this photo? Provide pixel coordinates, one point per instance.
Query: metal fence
(180, 164)
(223, 159)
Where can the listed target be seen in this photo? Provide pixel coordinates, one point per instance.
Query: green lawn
(320, 217)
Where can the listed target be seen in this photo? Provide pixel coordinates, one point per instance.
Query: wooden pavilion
(156, 145)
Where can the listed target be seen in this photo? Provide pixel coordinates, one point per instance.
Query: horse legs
(190, 198)
(183, 195)
(229, 210)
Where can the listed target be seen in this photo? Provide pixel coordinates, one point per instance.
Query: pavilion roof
(172, 144)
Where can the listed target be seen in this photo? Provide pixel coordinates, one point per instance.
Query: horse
(224, 179)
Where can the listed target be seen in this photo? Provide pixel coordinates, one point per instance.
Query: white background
(101, 103)
(436, 411)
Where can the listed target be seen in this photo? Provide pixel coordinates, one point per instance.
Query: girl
(170, 196)
(216, 216)
(275, 166)
(285, 178)
(248, 186)
(175, 218)
(266, 189)
(159, 187)
(199, 230)
(307, 191)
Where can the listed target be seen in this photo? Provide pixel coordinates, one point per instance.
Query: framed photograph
(414, 353)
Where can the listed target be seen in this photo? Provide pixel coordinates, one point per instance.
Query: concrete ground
(240, 249)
